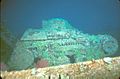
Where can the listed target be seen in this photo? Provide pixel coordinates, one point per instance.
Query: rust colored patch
(42, 63)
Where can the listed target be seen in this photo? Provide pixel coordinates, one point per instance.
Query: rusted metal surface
(95, 69)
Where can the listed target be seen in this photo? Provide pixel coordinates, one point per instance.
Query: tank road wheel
(21, 58)
(110, 45)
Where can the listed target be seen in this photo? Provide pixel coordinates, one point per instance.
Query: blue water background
(90, 16)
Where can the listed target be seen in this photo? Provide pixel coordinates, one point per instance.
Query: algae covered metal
(59, 43)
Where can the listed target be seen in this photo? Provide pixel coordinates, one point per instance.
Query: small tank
(58, 42)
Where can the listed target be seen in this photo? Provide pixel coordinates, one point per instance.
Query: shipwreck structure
(95, 69)
(58, 43)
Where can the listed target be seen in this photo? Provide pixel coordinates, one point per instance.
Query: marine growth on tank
(58, 43)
